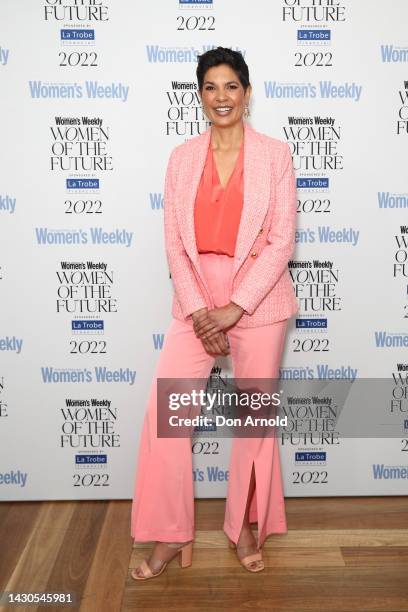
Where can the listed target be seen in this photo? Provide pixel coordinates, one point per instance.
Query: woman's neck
(228, 137)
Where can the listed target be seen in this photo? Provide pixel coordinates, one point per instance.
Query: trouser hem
(233, 536)
(163, 536)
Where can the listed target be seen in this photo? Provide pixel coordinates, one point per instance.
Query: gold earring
(246, 112)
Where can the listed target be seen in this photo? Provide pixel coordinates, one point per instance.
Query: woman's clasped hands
(210, 326)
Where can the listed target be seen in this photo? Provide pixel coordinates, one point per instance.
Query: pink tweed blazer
(260, 277)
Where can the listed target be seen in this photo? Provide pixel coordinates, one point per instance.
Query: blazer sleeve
(185, 284)
(264, 273)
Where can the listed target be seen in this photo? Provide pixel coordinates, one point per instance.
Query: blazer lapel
(257, 182)
(257, 179)
(190, 180)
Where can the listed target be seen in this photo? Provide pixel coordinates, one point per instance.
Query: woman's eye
(211, 87)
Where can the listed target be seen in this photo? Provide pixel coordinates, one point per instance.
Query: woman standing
(229, 215)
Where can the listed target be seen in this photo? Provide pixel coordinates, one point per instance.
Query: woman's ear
(247, 95)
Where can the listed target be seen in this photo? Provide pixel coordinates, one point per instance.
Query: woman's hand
(217, 344)
(207, 324)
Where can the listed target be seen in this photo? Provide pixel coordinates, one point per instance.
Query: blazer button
(261, 230)
(254, 254)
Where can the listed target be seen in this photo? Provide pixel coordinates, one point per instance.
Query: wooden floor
(340, 554)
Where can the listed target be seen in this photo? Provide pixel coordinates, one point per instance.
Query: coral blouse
(217, 211)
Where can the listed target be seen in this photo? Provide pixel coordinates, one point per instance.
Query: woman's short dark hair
(222, 55)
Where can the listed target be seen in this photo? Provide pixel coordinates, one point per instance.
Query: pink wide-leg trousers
(163, 501)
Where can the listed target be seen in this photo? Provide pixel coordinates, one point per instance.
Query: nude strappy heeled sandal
(246, 561)
(185, 555)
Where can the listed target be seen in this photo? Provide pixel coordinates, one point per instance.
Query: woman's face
(223, 96)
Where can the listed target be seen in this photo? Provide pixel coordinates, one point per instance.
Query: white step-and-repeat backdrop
(94, 95)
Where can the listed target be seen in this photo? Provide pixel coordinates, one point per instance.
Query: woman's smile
(223, 110)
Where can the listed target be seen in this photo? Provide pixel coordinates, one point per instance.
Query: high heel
(246, 561)
(185, 555)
